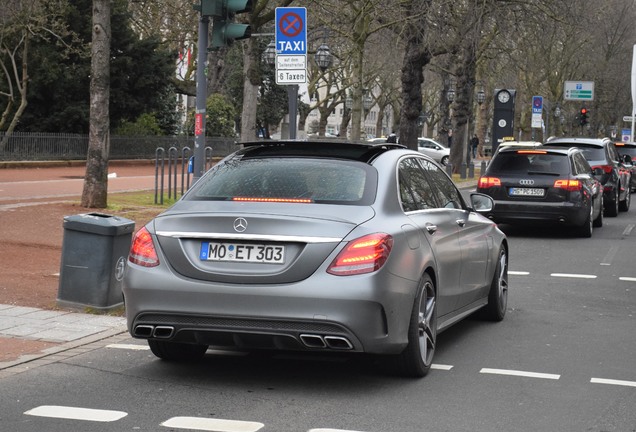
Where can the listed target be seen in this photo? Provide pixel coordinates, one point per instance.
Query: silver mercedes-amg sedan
(316, 246)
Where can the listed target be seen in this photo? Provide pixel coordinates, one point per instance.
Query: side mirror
(597, 171)
(481, 203)
(627, 159)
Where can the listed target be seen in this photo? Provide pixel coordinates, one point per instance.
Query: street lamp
(481, 95)
(323, 57)
(450, 93)
(269, 55)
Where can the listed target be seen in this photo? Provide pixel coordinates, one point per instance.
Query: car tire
(612, 210)
(417, 358)
(598, 222)
(586, 229)
(176, 351)
(444, 161)
(624, 205)
(495, 310)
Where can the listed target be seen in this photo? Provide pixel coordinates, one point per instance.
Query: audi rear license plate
(538, 192)
(257, 253)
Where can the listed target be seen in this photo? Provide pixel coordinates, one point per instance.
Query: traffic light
(583, 120)
(224, 29)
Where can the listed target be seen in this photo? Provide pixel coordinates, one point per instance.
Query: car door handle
(431, 228)
(461, 222)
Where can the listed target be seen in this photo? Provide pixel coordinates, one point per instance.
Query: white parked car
(433, 149)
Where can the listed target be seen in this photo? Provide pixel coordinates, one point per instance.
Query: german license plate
(257, 253)
(527, 192)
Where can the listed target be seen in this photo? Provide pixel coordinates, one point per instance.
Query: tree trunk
(416, 56)
(250, 91)
(96, 178)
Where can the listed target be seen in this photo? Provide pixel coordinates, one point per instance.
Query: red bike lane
(56, 182)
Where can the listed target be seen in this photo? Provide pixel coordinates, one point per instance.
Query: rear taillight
(607, 169)
(142, 251)
(363, 255)
(568, 185)
(487, 182)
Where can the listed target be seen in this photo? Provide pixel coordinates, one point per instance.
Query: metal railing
(179, 166)
(32, 146)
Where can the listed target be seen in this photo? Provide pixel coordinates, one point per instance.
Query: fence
(28, 146)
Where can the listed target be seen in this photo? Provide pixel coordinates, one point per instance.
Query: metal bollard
(449, 169)
(462, 171)
(471, 170)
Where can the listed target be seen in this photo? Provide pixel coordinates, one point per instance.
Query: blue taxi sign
(291, 30)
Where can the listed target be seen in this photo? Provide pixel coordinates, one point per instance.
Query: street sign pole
(201, 95)
(291, 52)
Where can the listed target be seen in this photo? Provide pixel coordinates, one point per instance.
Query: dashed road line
(519, 373)
(74, 413)
(441, 367)
(129, 347)
(573, 275)
(518, 273)
(212, 425)
(613, 382)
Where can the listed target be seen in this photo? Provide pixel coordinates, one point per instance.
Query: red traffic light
(583, 110)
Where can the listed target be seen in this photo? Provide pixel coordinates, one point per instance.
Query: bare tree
(96, 178)
(21, 23)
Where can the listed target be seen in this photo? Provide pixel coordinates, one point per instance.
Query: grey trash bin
(94, 252)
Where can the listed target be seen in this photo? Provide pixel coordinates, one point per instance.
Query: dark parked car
(627, 150)
(318, 247)
(615, 176)
(543, 184)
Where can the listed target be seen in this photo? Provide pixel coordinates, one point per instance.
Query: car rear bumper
(565, 213)
(354, 313)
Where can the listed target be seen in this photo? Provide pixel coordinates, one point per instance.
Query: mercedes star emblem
(240, 224)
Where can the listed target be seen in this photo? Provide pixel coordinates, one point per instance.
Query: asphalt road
(562, 360)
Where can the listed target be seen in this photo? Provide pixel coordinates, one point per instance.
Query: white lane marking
(441, 366)
(519, 373)
(518, 273)
(607, 260)
(212, 425)
(129, 347)
(613, 382)
(572, 275)
(331, 430)
(75, 413)
(628, 279)
(628, 230)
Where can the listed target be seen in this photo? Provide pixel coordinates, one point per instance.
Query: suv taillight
(568, 185)
(142, 251)
(362, 255)
(488, 182)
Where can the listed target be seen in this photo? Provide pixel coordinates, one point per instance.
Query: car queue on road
(572, 182)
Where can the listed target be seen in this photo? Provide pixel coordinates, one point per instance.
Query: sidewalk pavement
(55, 331)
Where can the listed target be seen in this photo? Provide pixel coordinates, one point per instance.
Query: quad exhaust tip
(147, 331)
(322, 342)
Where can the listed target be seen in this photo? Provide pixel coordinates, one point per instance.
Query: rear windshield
(511, 162)
(288, 179)
(591, 153)
(627, 151)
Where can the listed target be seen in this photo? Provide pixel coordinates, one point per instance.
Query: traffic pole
(201, 96)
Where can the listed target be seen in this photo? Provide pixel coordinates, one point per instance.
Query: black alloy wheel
(495, 310)
(612, 208)
(417, 357)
